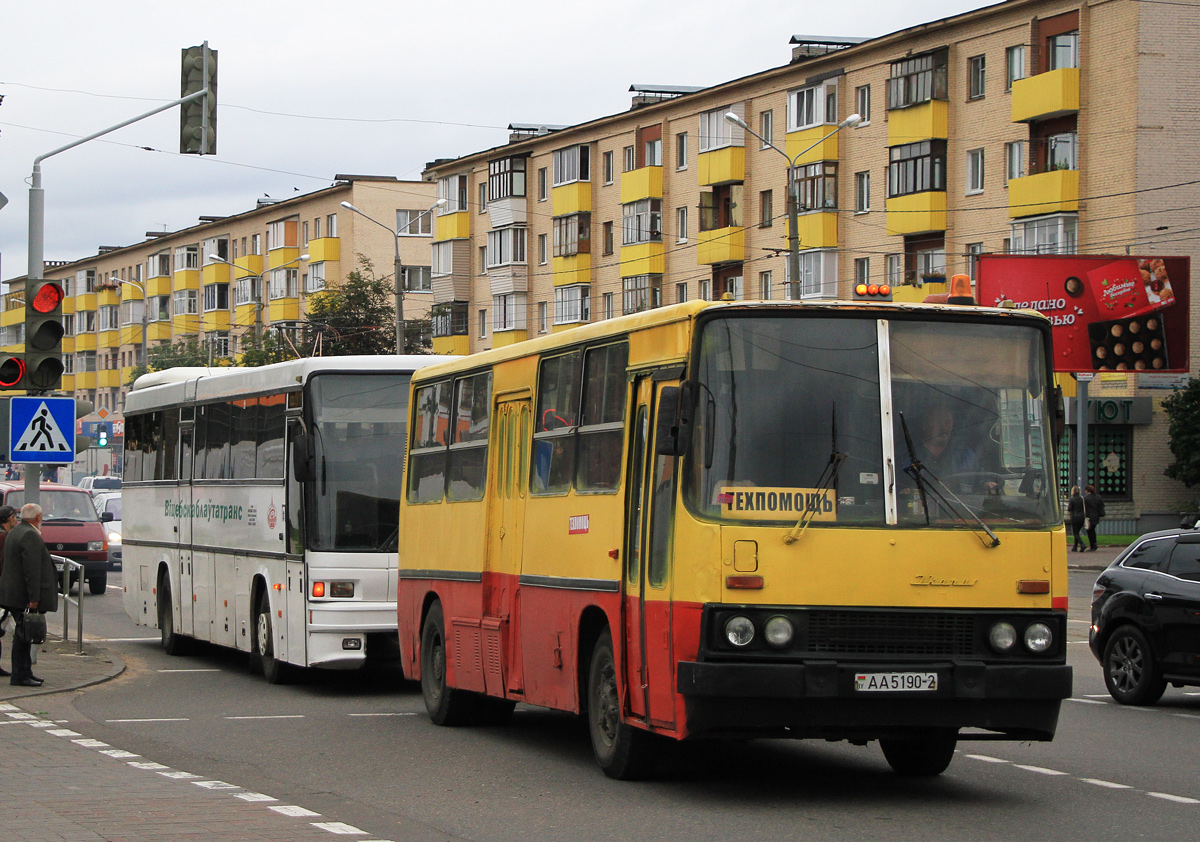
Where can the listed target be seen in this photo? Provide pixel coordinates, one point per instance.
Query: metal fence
(71, 570)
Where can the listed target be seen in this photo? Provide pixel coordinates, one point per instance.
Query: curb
(116, 666)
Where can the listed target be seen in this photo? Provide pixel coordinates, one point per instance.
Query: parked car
(92, 485)
(108, 504)
(71, 527)
(1146, 617)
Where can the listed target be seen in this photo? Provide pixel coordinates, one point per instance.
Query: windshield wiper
(828, 478)
(917, 470)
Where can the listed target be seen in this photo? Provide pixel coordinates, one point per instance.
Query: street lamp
(399, 265)
(793, 196)
(145, 317)
(258, 301)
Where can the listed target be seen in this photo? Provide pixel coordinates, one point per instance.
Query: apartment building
(1029, 126)
(226, 277)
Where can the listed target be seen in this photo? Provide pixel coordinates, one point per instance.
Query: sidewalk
(1097, 561)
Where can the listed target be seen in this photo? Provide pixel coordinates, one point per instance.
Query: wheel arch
(592, 623)
(431, 596)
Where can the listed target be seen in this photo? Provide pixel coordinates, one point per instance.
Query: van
(71, 527)
(94, 484)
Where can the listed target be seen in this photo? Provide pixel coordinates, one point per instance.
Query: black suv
(1146, 617)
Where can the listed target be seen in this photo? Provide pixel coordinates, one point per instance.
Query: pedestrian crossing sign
(42, 430)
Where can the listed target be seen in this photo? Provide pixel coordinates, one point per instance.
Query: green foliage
(358, 316)
(264, 350)
(187, 352)
(1183, 427)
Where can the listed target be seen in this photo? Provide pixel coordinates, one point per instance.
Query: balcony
(574, 269)
(158, 286)
(159, 331)
(108, 296)
(1051, 94)
(188, 323)
(250, 264)
(452, 226)
(277, 258)
(645, 183)
(216, 273)
(642, 259)
(215, 320)
(500, 338)
(825, 150)
(85, 380)
(186, 279)
(284, 310)
(456, 345)
(817, 230)
(324, 249)
(575, 197)
(917, 213)
(720, 245)
(1047, 192)
(110, 378)
(927, 121)
(511, 210)
(85, 342)
(131, 334)
(722, 166)
(85, 301)
(108, 338)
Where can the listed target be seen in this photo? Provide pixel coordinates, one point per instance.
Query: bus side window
(200, 442)
(293, 507)
(554, 433)
(168, 456)
(151, 439)
(602, 423)
(133, 451)
(467, 468)
(270, 438)
(427, 450)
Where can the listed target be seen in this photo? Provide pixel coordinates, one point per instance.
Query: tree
(357, 316)
(264, 350)
(1183, 428)
(186, 352)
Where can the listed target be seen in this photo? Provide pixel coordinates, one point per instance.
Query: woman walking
(1076, 514)
(1093, 510)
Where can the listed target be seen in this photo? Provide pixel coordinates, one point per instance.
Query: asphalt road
(361, 750)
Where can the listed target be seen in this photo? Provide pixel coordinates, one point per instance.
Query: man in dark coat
(1093, 508)
(27, 585)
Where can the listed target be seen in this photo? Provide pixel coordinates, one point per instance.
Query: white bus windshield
(359, 425)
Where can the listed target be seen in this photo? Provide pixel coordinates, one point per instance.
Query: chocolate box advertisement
(1110, 312)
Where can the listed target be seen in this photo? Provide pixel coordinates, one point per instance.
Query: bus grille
(890, 633)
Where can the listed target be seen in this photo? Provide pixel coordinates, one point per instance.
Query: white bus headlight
(779, 632)
(1038, 638)
(344, 590)
(739, 631)
(1002, 636)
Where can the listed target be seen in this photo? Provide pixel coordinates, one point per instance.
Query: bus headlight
(779, 632)
(344, 590)
(1002, 636)
(739, 631)
(1038, 638)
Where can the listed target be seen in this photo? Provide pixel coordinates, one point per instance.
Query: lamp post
(399, 265)
(793, 195)
(145, 318)
(258, 301)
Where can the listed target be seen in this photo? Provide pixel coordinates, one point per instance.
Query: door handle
(1154, 597)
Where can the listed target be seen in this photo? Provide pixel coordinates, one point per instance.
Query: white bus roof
(185, 384)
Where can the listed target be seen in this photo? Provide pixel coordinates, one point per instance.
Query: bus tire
(173, 643)
(622, 751)
(446, 705)
(273, 670)
(98, 583)
(924, 755)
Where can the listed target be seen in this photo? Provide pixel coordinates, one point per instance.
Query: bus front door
(184, 610)
(652, 485)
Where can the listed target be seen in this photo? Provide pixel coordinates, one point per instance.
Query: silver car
(109, 503)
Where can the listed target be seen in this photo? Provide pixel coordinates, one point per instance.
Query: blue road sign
(42, 430)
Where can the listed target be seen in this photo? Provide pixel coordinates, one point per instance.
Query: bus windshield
(788, 423)
(359, 424)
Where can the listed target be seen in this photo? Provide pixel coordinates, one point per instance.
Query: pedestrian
(27, 586)
(1077, 516)
(1093, 510)
(8, 522)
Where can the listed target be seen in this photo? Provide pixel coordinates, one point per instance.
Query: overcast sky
(308, 90)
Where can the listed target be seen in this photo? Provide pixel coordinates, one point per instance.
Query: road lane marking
(987, 759)
(165, 719)
(340, 828)
(1041, 770)
(293, 810)
(188, 670)
(1166, 796)
(1108, 784)
(1187, 716)
(91, 639)
(1087, 701)
(276, 716)
(381, 714)
(253, 796)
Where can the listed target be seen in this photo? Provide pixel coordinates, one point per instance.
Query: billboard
(1110, 312)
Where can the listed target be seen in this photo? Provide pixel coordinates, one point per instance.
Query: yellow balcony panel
(325, 248)
(158, 286)
(108, 379)
(107, 297)
(910, 294)
(927, 121)
(575, 269)
(507, 337)
(186, 279)
(1051, 94)
(131, 334)
(68, 305)
(645, 183)
(85, 380)
(1047, 192)
(108, 339)
(817, 230)
(453, 226)
(68, 383)
(68, 345)
(722, 166)
(215, 320)
(457, 345)
(247, 265)
(284, 310)
(277, 258)
(85, 342)
(721, 245)
(642, 259)
(916, 213)
(127, 374)
(159, 331)
(244, 314)
(571, 198)
(85, 301)
(11, 317)
(825, 150)
(216, 273)
(185, 324)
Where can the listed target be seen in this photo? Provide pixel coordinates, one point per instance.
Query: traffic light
(43, 336)
(102, 434)
(198, 118)
(12, 371)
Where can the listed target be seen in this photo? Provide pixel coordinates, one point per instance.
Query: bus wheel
(921, 756)
(623, 752)
(173, 643)
(98, 583)
(274, 671)
(446, 705)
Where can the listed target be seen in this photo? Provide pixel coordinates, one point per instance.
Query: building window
(1054, 234)
(1014, 65)
(110, 316)
(443, 258)
(331, 225)
(414, 223)
(630, 162)
(305, 238)
(572, 234)
(542, 184)
(483, 322)
(681, 151)
(1063, 50)
(159, 265)
(453, 188)
(976, 66)
(641, 292)
(862, 100)
(185, 304)
(483, 260)
(506, 178)
(917, 167)
(817, 185)
(653, 152)
(282, 234)
(186, 257)
(572, 304)
(508, 312)
(766, 208)
(256, 242)
(681, 224)
(607, 159)
(862, 270)
(1015, 160)
(506, 246)
(812, 106)
(543, 318)
(416, 278)
(706, 289)
(609, 312)
(974, 171)
(608, 237)
(245, 291)
(449, 319)
(716, 132)
(917, 80)
(862, 192)
(483, 197)
(931, 264)
(764, 284)
(895, 269)
(681, 292)
(283, 284)
(818, 275)
(160, 308)
(218, 343)
(216, 297)
(641, 222)
(572, 164)
(973, 252)
(543, 250)
(766, 128)
(1061, 151)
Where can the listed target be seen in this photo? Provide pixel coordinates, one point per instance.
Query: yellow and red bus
(766, 519)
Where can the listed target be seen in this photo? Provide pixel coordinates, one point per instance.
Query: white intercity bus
(261, 508)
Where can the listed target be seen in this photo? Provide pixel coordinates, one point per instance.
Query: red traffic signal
(12, 372)
(47, 298)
